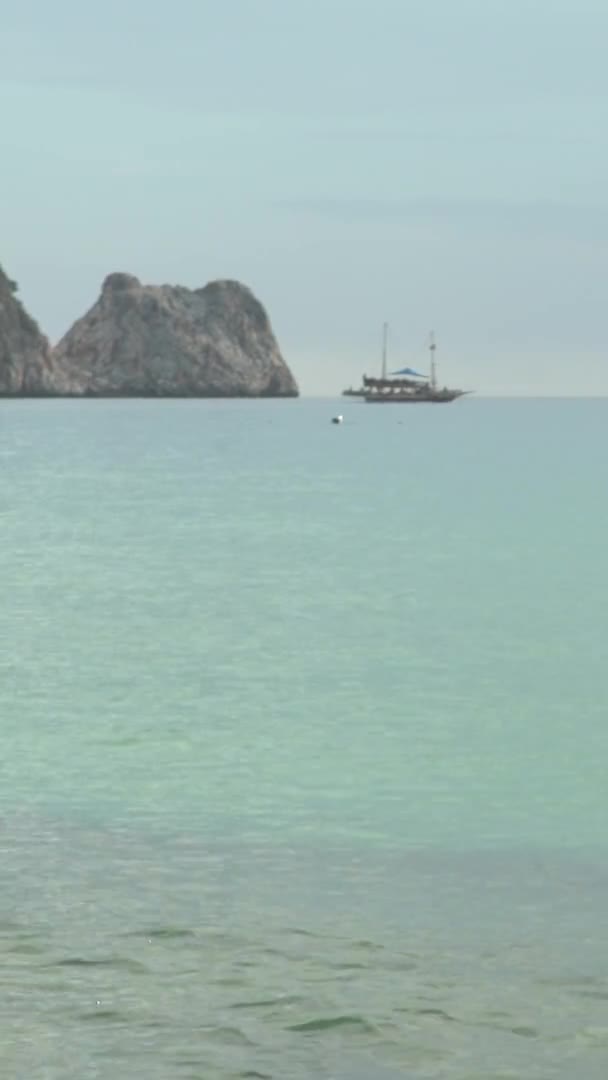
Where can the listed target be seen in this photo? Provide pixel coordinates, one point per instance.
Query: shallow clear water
(304, 740)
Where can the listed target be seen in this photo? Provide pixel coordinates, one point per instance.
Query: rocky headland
(147, 341)
(25, 354)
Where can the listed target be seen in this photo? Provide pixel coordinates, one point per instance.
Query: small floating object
(337, 419)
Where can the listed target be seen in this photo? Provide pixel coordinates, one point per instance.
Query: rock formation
(24, 350)
(168, 341)
(147, 341)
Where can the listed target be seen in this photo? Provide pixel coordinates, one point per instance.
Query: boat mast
(384, 348)
(433, 347)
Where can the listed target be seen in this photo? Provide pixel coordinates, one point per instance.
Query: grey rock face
(24, 350)
(168, 341)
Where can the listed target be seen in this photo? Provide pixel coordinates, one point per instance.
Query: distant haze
(440, 164)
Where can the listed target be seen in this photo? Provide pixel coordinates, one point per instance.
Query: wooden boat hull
(413, 399)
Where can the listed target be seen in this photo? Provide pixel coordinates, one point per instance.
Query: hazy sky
(437, 163)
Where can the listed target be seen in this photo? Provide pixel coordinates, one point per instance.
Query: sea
(304, 740)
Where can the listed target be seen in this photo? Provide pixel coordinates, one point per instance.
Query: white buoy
(337, 419)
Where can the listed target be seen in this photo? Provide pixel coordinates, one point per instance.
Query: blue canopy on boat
(409, 371)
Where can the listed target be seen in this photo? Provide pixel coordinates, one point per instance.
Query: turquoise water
(304, 740)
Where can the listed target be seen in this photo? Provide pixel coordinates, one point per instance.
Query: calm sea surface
(303, 741)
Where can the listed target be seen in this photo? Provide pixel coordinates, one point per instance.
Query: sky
(437, 164)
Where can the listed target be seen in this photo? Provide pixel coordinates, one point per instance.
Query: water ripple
(134, 967)
(268, 1003)
(356, 1024)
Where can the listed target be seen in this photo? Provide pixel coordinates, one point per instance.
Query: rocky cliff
(168, 341)
(24, 350)
(147, 341)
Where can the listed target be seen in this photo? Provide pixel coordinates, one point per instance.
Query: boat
(405, 386)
